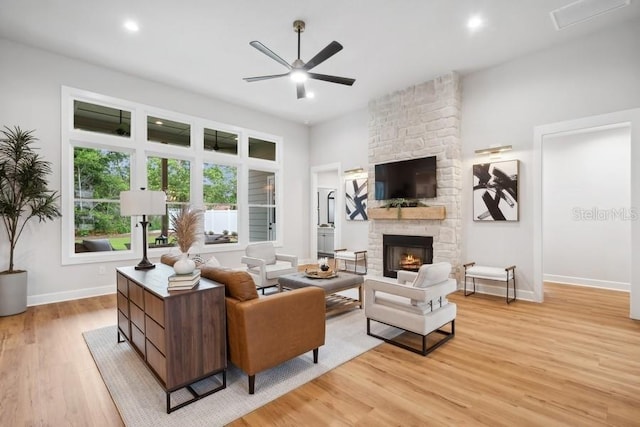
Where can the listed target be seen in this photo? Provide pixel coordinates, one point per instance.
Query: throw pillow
(213, 262)
(97, 245)
(238, 284)
(170, 258)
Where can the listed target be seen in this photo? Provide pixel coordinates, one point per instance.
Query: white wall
(502, 105)
(30, 82)
(344, 140)
(586, 191)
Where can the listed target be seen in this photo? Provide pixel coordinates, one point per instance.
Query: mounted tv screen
(408, 179)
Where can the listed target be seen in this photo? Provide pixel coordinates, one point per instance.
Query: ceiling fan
(298, 69)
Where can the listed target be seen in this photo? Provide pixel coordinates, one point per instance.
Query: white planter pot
(13, 293)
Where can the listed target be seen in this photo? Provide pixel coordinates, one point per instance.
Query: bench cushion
(349, 255)
(489, 273)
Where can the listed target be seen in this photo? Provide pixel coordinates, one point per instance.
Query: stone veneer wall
(420, 121)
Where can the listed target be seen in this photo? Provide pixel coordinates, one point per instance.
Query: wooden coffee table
(341, 282)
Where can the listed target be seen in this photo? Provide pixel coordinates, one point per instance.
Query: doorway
(630, 118)
(586, 201)
(326, 197)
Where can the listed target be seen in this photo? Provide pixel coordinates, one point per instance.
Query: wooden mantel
(428, 212)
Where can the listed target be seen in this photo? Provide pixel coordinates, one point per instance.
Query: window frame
(140, 149)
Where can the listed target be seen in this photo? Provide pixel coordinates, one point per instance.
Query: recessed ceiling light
(311, 95)
(131, 26)
(475, 22)
(159, 122)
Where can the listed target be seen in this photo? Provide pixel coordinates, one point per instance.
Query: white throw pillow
(213, 262)
(432, 274)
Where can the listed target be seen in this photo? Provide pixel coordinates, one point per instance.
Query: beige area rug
(141, 400)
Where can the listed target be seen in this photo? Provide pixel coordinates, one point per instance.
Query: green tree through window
(99, 176)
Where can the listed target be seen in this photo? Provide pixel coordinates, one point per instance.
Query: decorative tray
(319, 274)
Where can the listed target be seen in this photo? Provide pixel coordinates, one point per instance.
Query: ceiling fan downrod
(298, 27)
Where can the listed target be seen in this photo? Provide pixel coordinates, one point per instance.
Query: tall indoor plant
(23, 196)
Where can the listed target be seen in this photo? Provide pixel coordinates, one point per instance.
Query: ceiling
(203, 46)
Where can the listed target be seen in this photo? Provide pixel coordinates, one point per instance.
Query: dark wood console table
(180, 335)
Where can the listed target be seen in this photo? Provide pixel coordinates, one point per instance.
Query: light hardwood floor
(574, 360)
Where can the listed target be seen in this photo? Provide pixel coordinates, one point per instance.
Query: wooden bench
(506, 275)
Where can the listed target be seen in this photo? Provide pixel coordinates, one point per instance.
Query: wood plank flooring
(574, 360)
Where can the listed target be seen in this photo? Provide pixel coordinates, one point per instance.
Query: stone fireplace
(402, 252)
(420, 121)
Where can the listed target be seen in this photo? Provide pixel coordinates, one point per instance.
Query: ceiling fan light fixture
(299, 76)
(131, 26)
(298, 70)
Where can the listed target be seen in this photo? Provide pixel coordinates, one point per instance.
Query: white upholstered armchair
(416, 302)
(265, 265)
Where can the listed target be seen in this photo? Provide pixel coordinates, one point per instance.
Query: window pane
(260, 149)
(99, 176)
(101, 119)
(174, 178)
(220, 189)
(222, 142)
(168, 131)
(262, 206)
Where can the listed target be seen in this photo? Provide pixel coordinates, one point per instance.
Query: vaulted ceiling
(203, 46)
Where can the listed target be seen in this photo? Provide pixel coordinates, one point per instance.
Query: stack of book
(184, 281)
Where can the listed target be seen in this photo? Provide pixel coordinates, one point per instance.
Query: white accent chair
(265, 265)
(416, 302)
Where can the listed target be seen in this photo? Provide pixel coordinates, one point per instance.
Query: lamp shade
(142, 202)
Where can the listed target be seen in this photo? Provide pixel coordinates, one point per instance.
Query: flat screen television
(407, 179)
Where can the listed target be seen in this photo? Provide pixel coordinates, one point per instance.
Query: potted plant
(23, 196)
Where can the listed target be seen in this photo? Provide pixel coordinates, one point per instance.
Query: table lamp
(143, 202)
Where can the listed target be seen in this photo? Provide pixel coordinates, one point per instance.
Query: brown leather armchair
(265, 332)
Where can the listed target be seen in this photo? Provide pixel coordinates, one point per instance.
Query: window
(101, 119)
(262, 206)
(220, 141)
(98, 177)
(110, 145)
(261, 149)
(172, 176)
(168, 131)
(220, 196)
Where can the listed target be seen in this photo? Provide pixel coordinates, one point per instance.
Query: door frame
(631, 117)
(313, 201)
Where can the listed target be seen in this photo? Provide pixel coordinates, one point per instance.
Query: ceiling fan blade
(258, 78)
(326, 53)
(262, 48)
(302, 93)
(333, 79)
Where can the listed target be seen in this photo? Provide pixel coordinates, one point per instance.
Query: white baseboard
(70, 295)
(591, 283)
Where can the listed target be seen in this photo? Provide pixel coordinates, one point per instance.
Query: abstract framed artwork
(356, 199)
(495, 191)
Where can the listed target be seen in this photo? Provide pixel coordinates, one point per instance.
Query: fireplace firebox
(401, 252)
